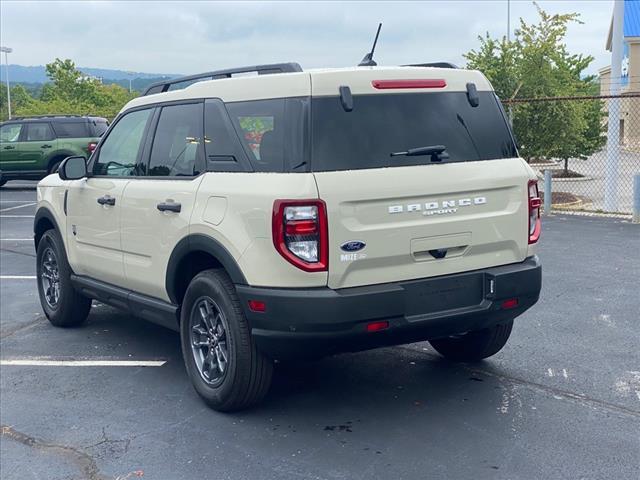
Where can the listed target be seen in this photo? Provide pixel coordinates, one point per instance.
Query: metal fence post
(636, 198)
(547, 192)
(613, 127)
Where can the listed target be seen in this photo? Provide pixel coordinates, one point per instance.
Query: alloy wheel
(50, 278)
(209, 340)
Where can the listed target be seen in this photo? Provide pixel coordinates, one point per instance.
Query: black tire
(474, 346)
(71, 308)
(2, 181)
(54, 166)
(246, 377)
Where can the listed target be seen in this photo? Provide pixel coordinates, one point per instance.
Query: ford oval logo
(353, 246)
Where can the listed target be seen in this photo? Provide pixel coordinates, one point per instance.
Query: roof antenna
(367, 60)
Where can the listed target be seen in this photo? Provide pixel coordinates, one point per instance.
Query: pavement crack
(82, 460)
(111, 445)
(32, 255)
(564, 394)
(22, 327)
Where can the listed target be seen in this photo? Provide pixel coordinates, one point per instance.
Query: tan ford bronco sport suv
(295, 214)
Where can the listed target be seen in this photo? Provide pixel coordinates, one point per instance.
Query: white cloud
(188, 37)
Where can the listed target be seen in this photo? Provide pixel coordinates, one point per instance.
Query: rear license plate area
(445, 293)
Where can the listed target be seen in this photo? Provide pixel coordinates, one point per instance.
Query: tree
(537, 64)
(71, 92)
(20, 98)
(69, 83)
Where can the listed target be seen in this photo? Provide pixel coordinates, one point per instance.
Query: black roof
(56, 118)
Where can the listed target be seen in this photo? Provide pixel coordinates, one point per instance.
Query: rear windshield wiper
(437, 152)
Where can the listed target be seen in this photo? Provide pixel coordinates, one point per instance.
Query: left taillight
(91, 147)
(300, 233)
(535, 225)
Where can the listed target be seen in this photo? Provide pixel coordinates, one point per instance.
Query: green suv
(32, 148)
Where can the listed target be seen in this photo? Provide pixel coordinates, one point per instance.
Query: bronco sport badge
(438, 208)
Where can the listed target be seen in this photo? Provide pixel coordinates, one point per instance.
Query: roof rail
(160, 87)
(433, 64)
(50, 115)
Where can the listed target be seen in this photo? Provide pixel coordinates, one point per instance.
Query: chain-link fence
(568, 136)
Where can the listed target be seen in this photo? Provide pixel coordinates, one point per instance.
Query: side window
(10, 133)
(72, 129)
(39, 132)
(177, 147)
(118, 153)
(274, 132)
(259, 125)
(222, 147)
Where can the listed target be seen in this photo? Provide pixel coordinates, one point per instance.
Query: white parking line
(18, 277)
(12, 201)
(17, 216)
(19, 362)
(16, 239)
(19, 206)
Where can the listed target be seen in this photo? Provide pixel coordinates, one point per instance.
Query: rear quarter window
(273, 132)
(72, 129)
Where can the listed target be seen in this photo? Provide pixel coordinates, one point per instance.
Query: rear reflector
(377, 326)
(257, 306)
(510, 303)
(416, 83)
(301, 227)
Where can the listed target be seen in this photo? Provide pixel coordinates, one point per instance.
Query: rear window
(99, 127)
(72, 129)
(381, 124)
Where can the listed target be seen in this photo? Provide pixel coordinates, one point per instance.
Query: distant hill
(37, 74)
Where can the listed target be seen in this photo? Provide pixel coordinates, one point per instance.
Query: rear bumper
(322, 321)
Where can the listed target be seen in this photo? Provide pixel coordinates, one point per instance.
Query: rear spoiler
(433, 64)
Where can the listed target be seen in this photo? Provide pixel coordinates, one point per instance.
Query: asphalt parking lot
(562, 400)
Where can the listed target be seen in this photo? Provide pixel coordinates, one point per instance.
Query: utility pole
(613, 128)
(509, 40)
(130, 75)
(7, 51)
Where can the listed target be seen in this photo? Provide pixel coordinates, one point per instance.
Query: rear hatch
(394, 218)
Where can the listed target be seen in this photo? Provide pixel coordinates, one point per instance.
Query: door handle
(107, 200)
(9, 147)
(45, 146)
(169, 207)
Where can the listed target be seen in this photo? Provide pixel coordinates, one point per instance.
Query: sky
(191, 37)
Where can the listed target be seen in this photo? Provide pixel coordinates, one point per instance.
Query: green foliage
(537, 64)
(69, 92)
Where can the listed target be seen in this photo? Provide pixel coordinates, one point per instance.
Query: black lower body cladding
(315, 322)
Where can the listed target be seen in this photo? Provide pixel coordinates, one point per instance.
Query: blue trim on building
(632, 18)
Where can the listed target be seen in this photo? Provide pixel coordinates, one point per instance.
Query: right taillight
(300, 233)
(91, 147)
(535, 225)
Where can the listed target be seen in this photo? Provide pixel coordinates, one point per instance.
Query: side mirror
(73, 168)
